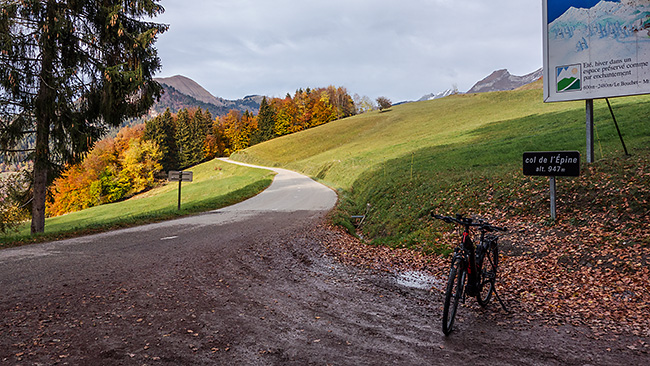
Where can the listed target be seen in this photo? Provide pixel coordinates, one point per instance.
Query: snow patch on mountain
(442, 94)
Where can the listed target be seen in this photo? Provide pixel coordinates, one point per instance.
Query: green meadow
(461, 153)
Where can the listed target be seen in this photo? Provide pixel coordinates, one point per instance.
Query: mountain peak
(190, 87)
(501, 80)
(182, 92)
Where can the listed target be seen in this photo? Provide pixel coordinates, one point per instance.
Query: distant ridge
(501, 80)
(182, 92)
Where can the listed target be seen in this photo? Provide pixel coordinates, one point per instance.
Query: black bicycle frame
(472, 270)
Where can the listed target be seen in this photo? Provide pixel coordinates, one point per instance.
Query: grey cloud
(402, 50)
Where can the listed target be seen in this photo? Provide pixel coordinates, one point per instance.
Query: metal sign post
(553, 206)
(180, 176)
(179, 194)
(552, 164)
(590, 130)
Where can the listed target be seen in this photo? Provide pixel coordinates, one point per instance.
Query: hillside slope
(339, 152)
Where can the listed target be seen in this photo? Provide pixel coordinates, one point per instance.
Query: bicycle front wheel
(453, 293)
(490, 263)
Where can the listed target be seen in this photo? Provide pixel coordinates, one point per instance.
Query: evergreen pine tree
(265, 123)
(198, 132)
(162, 131)
(69, 70)
(184, 138)
(208, 120)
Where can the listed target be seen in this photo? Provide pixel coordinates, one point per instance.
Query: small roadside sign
(180, 176)
(552, 163)
(183, 176)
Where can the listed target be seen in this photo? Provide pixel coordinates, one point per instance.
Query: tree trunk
(38, 203)
(41, 158)
(44, 112)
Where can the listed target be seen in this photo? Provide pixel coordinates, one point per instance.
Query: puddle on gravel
(419, 280)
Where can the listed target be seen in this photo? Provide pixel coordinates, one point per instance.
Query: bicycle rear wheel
(453, 293)
(489, 267)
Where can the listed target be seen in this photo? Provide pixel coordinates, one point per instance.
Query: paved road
(247, 285)
(289, 192)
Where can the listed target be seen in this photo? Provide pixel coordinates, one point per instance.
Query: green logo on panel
(569, 78)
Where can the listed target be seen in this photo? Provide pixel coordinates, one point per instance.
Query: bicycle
(469, 264)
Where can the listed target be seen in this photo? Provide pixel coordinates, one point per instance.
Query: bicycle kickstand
(500, 301)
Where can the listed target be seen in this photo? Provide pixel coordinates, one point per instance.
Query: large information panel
(595, 49)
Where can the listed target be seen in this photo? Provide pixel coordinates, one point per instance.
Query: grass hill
(448, 154)
(338, 153)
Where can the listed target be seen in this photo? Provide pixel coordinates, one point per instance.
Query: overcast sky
(398, 49)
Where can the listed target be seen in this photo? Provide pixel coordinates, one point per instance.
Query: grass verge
(216, 184)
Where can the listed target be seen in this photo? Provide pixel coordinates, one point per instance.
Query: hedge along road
(251, 284)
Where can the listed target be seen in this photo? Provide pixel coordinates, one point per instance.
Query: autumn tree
(138, 163)
(284, 116)
(68, 70)
(238, 128)
(363, 104)
(216, 142)
(384, 103)
(277, 117)
(323, 111)
(341, 101)
(115, 169)
(310, 108)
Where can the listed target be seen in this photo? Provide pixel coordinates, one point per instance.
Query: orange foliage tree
(310, 108)
(237, 129)
(306, 109)
(113, 170)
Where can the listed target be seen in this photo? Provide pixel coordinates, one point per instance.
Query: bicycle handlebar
(466, 221)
